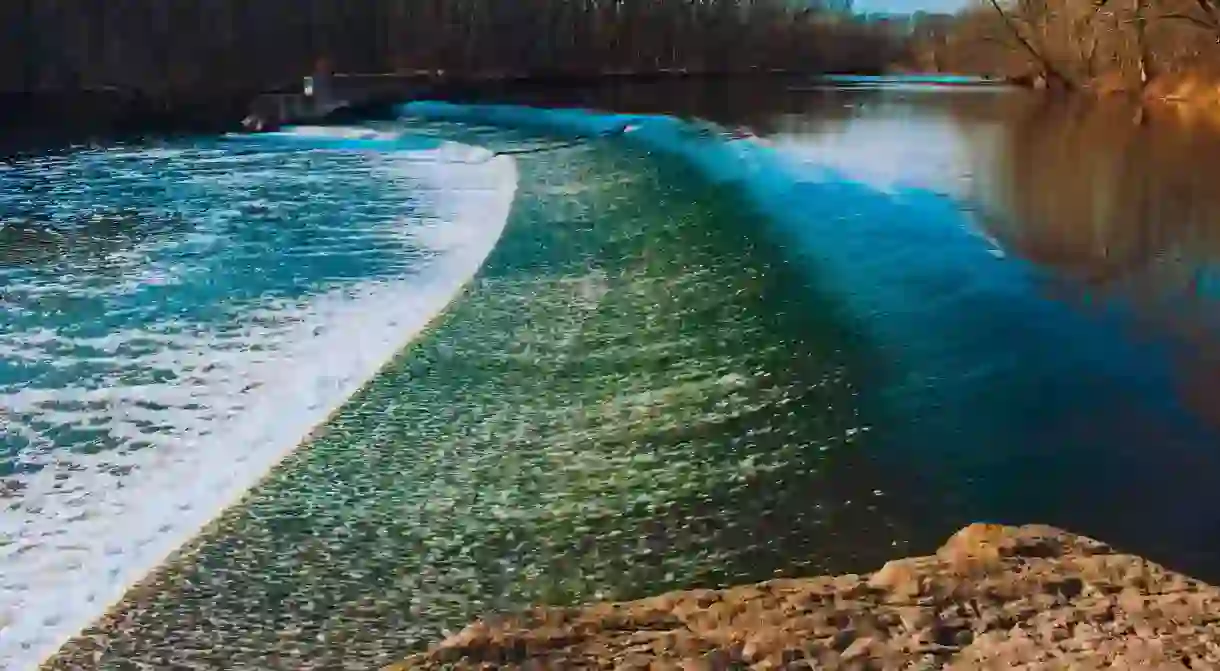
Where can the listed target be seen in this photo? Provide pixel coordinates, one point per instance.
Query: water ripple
(180, 317)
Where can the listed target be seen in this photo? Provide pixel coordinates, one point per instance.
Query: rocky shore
(993, 597)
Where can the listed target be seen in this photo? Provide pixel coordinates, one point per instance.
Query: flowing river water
(538, 356)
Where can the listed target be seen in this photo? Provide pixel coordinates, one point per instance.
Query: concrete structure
(322, 94)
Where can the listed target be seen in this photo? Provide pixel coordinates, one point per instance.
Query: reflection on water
(1093, 373)
(1118, 206)
(1100, 193)
(1125, 209)
(950, 304)
(1039, 279)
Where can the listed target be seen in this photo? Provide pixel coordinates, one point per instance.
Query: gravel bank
(993, 597)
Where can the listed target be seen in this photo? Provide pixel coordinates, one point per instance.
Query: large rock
(993, 597)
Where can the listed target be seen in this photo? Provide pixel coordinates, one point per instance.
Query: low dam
(319, 397)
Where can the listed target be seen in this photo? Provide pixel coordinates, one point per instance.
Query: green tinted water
(931, 311)
(636, 394)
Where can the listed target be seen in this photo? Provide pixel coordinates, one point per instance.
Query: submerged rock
(1031, 597)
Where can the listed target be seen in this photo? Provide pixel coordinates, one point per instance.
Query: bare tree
(1139, 20)
(1028, 16)
(172, 48)
(1203, 14)
(1079, 43)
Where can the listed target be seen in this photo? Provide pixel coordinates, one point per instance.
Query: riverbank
(991, 597)
(1194, 96)
(35, 118)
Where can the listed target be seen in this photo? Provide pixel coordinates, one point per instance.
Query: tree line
(197, 47)
(1107, 44)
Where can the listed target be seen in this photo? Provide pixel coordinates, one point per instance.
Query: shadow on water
(26, 242)
(41, 223)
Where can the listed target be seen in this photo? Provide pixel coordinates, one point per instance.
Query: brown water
(1111, 219)
(1116, 207)
(1041, 273)
(1116, 204)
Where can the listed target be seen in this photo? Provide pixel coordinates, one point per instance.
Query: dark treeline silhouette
(171, 51)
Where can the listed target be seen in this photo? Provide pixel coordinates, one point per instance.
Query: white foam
(339, 132)
(77, 541)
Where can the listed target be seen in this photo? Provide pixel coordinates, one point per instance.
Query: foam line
(339, 341)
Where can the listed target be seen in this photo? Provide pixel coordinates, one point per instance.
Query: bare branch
(1189, 19)
(1049, 68)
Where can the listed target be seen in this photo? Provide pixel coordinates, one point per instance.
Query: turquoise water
(179, 316)
(634, 393)
(687, 358)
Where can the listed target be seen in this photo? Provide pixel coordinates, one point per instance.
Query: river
(622, 354)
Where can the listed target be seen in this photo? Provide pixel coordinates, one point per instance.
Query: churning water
(176, 318)
(692, 358)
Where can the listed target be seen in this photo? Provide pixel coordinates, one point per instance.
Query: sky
(908, 5)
